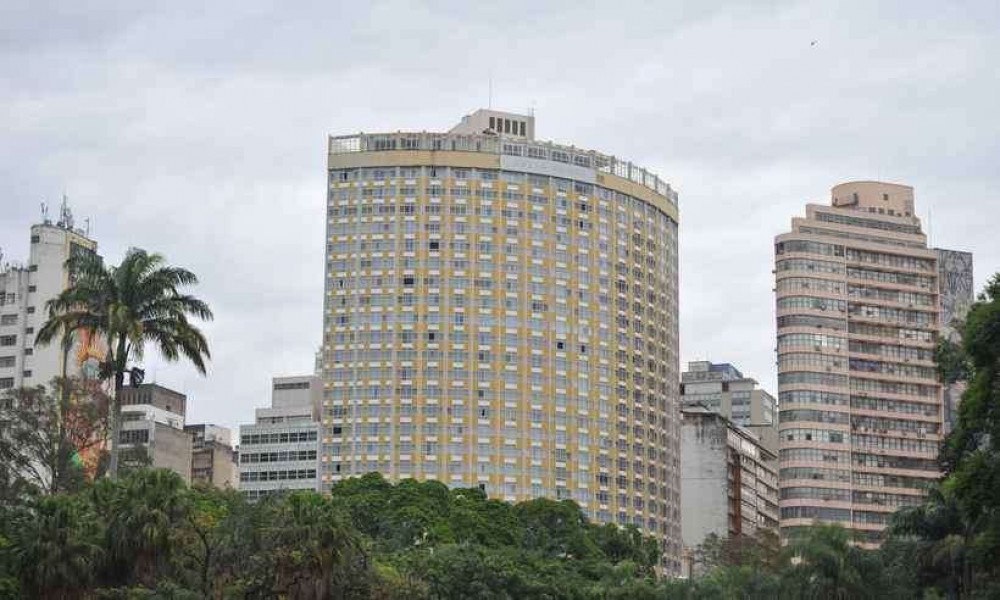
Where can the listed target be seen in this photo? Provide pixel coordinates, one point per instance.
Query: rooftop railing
(498, 144)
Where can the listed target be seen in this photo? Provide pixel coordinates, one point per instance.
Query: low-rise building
(152, 431)
(729, 480)
(280, 451)
(722, 388)
(213, 459)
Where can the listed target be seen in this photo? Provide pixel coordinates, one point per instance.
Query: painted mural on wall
(956, 289)
(955, 274)
(84, 361)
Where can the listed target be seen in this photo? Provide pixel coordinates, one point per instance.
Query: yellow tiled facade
(502, 313)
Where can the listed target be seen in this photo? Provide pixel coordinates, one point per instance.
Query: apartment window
(7, 361)
(35, 239)
(134, 436)
(31, 310)
(8, 340)
(32, 288)
(27, 373)
(303, 385)
(6, 383)
(8, 319)
(493, 123)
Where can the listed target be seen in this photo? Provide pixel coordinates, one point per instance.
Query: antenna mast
(65, 214)
(930, 227)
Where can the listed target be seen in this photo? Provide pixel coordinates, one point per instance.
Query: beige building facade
(858, 311)
(502, 312)
(152, 432)
(213, 459)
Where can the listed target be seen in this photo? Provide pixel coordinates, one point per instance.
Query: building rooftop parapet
(500, 144)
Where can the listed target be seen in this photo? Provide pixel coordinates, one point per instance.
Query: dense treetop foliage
(148, 535)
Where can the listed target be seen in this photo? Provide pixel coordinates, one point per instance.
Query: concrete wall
(214, 464)
(170, 448)
(157, 396)
(704, 487)
(297, 391)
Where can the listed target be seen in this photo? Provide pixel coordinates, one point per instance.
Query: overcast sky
(198, 130)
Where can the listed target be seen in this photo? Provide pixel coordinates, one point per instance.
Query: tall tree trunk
(62, 456)
(116, 425)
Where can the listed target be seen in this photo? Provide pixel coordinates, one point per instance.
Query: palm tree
(130, 305)
(55, 547)
(148, 509)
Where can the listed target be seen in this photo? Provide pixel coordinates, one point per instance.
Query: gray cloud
(198, 130)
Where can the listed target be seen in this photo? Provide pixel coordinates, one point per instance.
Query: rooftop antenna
(45, 214)
(86, 227)
(930, 227)
(65, 214)
(489, 104)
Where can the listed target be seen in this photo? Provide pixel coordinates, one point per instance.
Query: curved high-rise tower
(502, 312)
(858, 309)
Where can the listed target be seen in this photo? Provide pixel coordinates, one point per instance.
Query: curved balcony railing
(498, 144)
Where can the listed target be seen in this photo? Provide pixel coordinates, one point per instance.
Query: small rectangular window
(493, 123)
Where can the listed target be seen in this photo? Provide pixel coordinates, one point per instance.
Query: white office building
(24, 290)
(280, 450)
